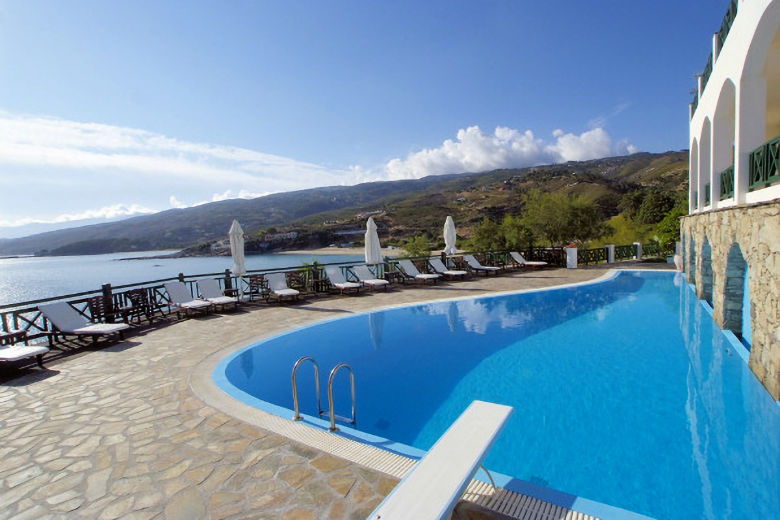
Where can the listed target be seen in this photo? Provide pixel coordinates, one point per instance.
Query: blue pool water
(625, 391)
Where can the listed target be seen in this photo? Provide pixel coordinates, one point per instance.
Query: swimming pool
(625, 391)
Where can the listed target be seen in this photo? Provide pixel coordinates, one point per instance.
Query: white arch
(723, 136)
(758, 94)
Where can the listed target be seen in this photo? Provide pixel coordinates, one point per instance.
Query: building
(731, 238)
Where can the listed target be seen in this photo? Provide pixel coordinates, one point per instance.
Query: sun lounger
(435, 484)
(17, 352)
(441, 269)
(518, 259)
(474, 265)
(210, 291)
(368, 278)
(277, 284)
(68, 322)
(9, 351)
(411, 271)
(181, 299)
(337, 280)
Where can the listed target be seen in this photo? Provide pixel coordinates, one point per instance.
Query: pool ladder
(331, 409)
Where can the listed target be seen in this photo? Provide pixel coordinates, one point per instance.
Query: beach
(386, 251)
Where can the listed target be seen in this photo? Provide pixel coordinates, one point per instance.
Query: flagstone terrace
(117, 432)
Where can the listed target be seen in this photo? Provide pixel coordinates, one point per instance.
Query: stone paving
(118, 432)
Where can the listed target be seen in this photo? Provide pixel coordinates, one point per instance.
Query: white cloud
(588, 145)
(56, 143)
(107, 212)
(175, 203)
(242, 194)
(475, 151)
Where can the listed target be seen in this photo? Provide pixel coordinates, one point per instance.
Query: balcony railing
(707, 191)
(764, 165)
(727, 183)
(728, 20)
(725, 27)
(705, 76)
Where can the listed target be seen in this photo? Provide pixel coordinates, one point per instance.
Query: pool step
(513, 505)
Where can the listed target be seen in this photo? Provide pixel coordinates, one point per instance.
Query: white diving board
(433, 487)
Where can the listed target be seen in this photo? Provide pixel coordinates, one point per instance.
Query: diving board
(432, 489)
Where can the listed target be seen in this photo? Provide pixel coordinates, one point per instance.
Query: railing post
(228, 280)
(108, 302)
(610, 253)
(571, 257)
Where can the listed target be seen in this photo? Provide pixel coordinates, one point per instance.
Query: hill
(402, 208)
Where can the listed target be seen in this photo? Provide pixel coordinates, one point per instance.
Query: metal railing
(592, 256)
(723, 32)
(705, 76)
(707, 191)
(652, 249)
(764, 165)
(118, 300)
(626, 252)
(728, 21)
(727, 183)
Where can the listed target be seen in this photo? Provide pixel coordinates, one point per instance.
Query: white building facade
(731, 237)
(735, 115)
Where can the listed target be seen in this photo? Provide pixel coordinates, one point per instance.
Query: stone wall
(755, 230)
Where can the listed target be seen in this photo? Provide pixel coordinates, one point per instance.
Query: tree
(654, 207)
(516, 234)
(417, 246)
(668, 230)
(561, 218)
(543, 214)
(630, 203)
(486, 236)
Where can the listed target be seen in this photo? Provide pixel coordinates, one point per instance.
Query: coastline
(338, 251)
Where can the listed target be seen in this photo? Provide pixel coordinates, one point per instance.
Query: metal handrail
(297, 416)
(331, 408)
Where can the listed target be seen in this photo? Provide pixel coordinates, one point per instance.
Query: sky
(110, 108)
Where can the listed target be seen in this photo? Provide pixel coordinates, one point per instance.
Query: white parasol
(449, 236)
(373, 249)
(236, 235)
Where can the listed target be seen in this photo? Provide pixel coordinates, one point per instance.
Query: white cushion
(15, 352)
(101, 328)
(347, 285)
(287, 292)
(221, 300)
(194, 304)
(427, 276)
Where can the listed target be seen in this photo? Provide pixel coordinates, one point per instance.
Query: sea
(24, 279)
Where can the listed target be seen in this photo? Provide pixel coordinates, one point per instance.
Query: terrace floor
(118, 432)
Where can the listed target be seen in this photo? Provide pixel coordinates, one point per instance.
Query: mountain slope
(409, 206)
